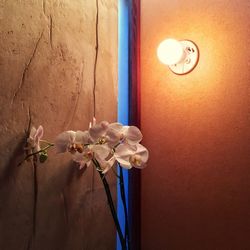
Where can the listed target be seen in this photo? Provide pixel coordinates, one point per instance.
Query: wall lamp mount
(180, 56)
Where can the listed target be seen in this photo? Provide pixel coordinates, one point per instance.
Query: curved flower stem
(35, 190)
(47, 142)
(111, 204)
(123, 197)
(115, 173)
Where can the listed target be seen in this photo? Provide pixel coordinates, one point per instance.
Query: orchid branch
(115, 173)
(111, 205)
(35, 153)
(35, 190)
(47, 142)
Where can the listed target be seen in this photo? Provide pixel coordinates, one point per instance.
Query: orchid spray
(103, 146)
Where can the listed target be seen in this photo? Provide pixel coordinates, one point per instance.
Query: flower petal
(98, 130)
(82, 137)
(34, 138)
(133, 135)
(122, 155)
(101, 152)
(83, 158)
(140, 158)
(30, 141)
(107, 165)
(124, 163)
(114, 133)
(32, 132)
(78, 157)
(143, 152)
(39, 133)
(63, 140)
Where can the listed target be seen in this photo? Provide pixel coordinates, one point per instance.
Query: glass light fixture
(180, 56)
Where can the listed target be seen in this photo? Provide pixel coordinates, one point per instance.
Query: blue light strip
(123, 94)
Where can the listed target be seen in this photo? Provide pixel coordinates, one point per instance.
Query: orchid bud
(43, 156)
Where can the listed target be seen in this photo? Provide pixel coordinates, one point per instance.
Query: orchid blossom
(34, 138)
(129, 156)
(71, 141)
(98, 132)
(91, 152)
(117, 133)
(34, 142)
(105, 143)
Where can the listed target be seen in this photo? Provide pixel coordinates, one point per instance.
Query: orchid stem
(35, 192)
(123, 197)
(35, 153)
(115, 173)
(111, 205)
(47, 142)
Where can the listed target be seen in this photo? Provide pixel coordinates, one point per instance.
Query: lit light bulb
(171, 52)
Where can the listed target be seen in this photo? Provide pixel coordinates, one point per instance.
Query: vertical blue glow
(123, 93)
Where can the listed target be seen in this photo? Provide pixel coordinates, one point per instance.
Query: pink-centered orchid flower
(131, 156)
(117, 133)
(71, 141)
(34, 138)
(98, 131)
(104, 143)
(90, 153)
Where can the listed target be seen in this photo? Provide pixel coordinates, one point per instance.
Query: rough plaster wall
(47, 51)
(196, 189)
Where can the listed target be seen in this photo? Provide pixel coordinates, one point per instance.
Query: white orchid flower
(131, 156)
(34, 138)
(90, 152)
(98, 132)
(64, 141)
(71, 141)
(117, 133)
(104, 143)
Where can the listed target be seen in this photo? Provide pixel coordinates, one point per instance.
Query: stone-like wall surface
(47, 54)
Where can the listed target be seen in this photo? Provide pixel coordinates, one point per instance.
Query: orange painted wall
(196, 188)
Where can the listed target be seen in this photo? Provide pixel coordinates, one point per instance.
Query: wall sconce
(180, 56)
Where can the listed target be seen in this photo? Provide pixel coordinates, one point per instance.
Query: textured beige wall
(47, 51)
(196, 189)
